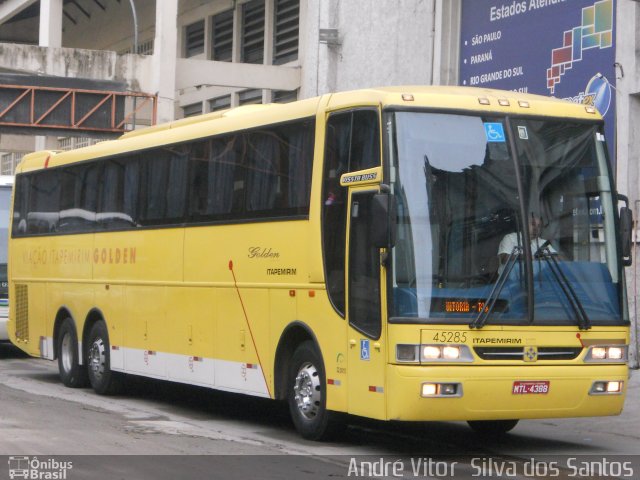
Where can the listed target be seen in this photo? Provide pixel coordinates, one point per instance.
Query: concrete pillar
(50, 35)
(50, 23)
(164, 58)
(446, 46)
(269, 28)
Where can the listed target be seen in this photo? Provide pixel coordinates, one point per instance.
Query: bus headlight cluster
(433, 353)
(607, 353)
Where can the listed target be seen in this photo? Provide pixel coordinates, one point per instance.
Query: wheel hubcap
(97, 358)
(66, 352)
(307, 390)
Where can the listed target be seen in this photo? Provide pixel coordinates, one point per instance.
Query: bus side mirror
(384, 214)
(626, 231)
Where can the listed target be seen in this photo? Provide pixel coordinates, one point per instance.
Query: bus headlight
(607, 353)
(431, 352)
(408, 353)
(445, 353)
(451, 352)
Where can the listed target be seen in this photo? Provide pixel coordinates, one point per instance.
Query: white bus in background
(6, 183)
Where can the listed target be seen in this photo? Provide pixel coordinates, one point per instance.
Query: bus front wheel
(493, 427)
(71, 372)
(306, 394)
(103, 380)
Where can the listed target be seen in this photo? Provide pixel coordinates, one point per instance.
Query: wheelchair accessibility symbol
(364, 350)
(494, 132)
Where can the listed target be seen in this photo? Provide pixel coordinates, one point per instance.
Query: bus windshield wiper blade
(491, 300)
(583, 319)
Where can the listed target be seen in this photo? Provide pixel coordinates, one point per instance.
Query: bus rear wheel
(306, 394)
(103, 380)
(493, 428)
(72, 374)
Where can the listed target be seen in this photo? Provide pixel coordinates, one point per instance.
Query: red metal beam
(114, 124)
(93, 110)
(15, 102)
(52, 108)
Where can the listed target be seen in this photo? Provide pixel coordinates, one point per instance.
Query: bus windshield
(467, 203)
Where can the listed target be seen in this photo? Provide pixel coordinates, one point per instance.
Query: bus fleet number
(450, 337)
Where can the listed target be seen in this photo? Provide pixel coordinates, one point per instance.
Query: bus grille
(517, 353)
(22, 313)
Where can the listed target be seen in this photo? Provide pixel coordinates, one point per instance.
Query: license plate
(532, 387)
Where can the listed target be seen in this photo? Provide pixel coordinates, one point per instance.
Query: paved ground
(39, 416)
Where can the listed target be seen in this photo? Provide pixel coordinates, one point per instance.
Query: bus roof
(251, 116)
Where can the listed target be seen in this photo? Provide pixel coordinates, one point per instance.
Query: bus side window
(20, 205)
(365, 141)
(352, 143)
(131, 193)
(163, 189)
(44, 197)
(364, 269)
(263, 155)
(112, 213)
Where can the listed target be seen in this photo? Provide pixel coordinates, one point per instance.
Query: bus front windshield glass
(461, 230)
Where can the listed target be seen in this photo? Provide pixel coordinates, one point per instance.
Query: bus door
(366, 336)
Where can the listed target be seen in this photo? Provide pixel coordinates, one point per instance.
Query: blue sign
(560, 48)
(494, 132)
(365, 352)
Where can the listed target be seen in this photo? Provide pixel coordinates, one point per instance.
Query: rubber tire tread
(77, 376)
(326, 424)
(111, 382)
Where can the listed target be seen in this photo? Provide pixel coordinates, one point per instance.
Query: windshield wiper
(583, 319)
(491, 300)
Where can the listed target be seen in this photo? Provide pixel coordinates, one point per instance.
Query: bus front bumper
(487, 392)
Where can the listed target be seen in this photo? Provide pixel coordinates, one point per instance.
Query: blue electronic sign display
(561, 48)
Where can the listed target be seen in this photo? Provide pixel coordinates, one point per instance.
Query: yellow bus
(360, 252)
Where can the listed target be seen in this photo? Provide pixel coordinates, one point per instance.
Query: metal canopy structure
(43, 106)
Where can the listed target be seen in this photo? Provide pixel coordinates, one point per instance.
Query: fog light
(614, 387)
(429, 389)
(448, 389)
(430, 352)
(441, 390)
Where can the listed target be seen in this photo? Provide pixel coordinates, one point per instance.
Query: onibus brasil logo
(32, 468)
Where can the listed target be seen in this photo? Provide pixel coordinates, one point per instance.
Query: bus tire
(492, 428)
(71, 373)
(306, 394)
(103, 380)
